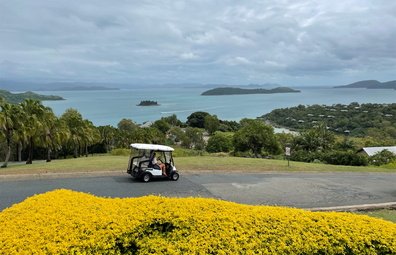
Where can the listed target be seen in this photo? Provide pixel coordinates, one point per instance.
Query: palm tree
(107, 134)
(54, 132)
(34, 116)
(9, 121)
(90, 135)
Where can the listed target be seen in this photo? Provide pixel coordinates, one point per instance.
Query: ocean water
(109, 107)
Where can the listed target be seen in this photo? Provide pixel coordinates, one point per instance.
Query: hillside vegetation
(355, 120)
(20, 97)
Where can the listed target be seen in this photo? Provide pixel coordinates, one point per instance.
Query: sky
(288, 42)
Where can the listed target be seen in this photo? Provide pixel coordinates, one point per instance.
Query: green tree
(127, 125)
(107, 134)
(177, 133)
(161, 125)
(34, 122)
(197, 119)
(10, 119)
(193, 138)
(285, 139)
(172, 120)
(256, 136)
(219, 143)
(54, 132)
(212, 124)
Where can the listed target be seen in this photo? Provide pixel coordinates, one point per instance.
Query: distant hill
(239, 91)
(20, 97)
(370, 84)
(212, 86)
(83, 88)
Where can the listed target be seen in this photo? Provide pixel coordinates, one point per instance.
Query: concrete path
(292, 189)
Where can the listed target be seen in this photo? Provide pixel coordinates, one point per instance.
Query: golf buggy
(141, 165)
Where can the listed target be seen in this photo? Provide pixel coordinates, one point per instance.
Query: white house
(370, 151)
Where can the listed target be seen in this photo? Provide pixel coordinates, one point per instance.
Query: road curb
(355, 208)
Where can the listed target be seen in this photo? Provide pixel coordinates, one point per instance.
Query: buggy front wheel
(175, 176)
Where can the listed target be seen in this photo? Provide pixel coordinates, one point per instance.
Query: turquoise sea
(109, 107)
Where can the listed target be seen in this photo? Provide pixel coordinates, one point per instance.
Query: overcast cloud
(296, 42)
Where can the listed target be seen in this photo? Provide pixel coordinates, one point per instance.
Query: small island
(20, 97)
(239, 91)
(148, 103)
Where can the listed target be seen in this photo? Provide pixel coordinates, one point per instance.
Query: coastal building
(146, 125)
(370, 151)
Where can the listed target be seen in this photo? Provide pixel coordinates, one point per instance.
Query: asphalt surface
(308, 190)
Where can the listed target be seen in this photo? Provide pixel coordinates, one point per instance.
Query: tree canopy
(197, 119)
(256, 136)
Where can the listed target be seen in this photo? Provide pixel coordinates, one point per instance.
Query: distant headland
(148, 103)
(20, 97)
(81, 88)
(369, 84)
(239, 91)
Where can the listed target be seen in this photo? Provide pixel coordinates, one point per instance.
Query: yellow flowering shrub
(68, 222)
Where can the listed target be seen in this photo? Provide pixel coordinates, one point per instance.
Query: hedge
(68, 222)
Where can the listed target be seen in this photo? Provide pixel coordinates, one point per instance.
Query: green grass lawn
(120, 163)
(389, 215)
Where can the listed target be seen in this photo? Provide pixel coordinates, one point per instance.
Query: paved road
(293, 190)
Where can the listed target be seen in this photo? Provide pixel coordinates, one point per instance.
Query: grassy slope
(389, 215)
(120, 163)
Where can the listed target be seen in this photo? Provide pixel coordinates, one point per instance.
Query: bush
(303, 156)
(188, 153)
(120, 152)
(68, 222)
(348, 158)
(219, 143)
(169, 141)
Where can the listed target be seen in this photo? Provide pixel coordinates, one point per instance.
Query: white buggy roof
(155, 147)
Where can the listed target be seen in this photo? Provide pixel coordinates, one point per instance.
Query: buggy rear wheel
(175, 176)
(146, 177)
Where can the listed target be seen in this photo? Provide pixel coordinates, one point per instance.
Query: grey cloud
(204, 41)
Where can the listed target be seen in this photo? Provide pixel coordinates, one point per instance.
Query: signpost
(288, 155)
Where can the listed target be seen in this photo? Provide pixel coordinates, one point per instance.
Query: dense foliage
(367, 120)
(67, 222)
(197, 119)
(20, 97)
(147, 103)
(219, 143)
(239, 91)
(256, 136)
